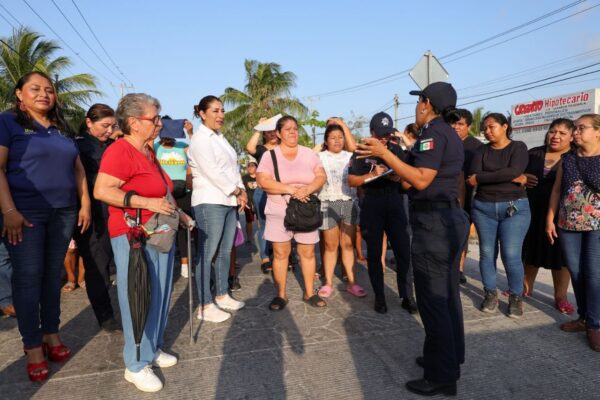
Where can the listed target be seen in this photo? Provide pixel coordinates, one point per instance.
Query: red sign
(528, 108)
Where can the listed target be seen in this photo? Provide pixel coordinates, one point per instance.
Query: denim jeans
(216, 230)
(582, 253)
(495, 227)
(259, 198)
(37, 264)
(160, 267)
(5, 276)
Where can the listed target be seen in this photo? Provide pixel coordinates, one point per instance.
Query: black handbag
(299, 216)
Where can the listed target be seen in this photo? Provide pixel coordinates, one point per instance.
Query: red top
(123, 161)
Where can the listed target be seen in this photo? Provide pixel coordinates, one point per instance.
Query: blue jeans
(5, 276)
(582, 253)
(216, 230)
(259, 198)
(160, 267)
(495, 227)
(37, 264)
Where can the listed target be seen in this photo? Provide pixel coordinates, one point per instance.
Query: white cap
(269, 124)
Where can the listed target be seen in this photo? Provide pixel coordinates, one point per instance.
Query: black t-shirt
(260, 150)
(250, 185)
(471, 145)
(495, 170)
(439, 148)
(363, 166)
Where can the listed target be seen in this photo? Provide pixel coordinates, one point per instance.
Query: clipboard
(374, 178)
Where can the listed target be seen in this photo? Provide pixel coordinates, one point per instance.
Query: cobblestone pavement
(344, 351)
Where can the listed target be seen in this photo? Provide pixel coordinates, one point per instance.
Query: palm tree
(267, 93)
(475, 129)
(26, 51)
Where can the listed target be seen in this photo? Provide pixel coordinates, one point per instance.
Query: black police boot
(380, 305)
(409, 305)
(429, 388)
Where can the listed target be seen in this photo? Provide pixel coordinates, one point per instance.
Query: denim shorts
(334, 212)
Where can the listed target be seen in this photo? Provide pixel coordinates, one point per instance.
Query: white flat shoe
(163, 360)
(212, 313)
(144, 380)
(229, 303)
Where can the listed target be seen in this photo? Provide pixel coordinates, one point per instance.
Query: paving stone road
(344, 351)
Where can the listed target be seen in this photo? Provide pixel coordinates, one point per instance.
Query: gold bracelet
(9, 210)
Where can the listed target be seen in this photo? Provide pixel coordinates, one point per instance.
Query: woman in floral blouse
(576, 197)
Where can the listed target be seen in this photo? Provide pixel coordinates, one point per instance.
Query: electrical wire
(395, 75)
(35, 68)
(12, 16)
(83, 40)
(10, 23)
(65, 43)
(100, 43)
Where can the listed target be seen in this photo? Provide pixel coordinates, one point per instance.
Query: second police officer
(440, 228)
(382, 211)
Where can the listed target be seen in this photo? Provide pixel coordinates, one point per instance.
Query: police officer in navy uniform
(440, 229)
(382, 210)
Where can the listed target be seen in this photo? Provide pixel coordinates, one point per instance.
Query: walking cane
(190, 288)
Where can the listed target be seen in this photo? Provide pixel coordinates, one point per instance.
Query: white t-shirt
(336, 168)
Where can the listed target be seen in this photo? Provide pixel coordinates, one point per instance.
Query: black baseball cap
(382, 124)
(441, 95)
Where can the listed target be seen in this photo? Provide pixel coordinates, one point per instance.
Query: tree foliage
(26, 51)
(267, 92)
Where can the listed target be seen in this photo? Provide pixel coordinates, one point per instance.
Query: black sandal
(266, 267)
(315, 301)
(277, 304)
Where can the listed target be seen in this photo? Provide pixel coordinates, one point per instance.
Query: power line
(100, 43)
(35, 68)
(83, 40)
(10, 23)
(532, 87)
(65, 43)
(522, 34)
(530, 83)
(12, 16)
(394, 75)
(516, 28)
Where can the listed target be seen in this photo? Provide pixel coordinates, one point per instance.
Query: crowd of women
(536, 208)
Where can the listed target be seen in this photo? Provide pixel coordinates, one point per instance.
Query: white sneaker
(229, 303)
(185, 270)
(163, 360)
(145, 380)
(212, 313)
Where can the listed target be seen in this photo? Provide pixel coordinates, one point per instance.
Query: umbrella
(138, 281)
(190, 290)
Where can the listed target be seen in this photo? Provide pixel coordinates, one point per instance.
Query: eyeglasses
(581, 128)
(155, 120)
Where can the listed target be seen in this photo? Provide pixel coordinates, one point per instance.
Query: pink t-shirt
(298, 172)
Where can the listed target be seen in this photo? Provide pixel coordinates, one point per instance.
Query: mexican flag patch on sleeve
(426, 145)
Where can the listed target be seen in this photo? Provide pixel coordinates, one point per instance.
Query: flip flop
(325, 291)
(278, 304)
(356, 290)
(69, 287)
(81, 284)
(315, 301)
(266, 267)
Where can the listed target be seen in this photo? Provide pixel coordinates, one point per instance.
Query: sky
(180, 51)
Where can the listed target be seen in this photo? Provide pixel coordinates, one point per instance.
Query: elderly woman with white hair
(130, 178)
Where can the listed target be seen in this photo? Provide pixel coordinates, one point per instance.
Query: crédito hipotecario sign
(530, 120)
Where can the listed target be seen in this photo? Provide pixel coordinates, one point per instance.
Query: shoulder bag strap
(274, 158)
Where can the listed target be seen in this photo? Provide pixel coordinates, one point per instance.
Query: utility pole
(396, 104)
(122, 86)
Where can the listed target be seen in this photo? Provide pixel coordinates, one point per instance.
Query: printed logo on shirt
(29, 131)
(426, 145)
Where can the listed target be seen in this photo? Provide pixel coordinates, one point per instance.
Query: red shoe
(37, 372)
(59, 353)
(564, 307)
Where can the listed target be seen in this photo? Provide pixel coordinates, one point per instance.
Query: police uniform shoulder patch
(426, 145)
